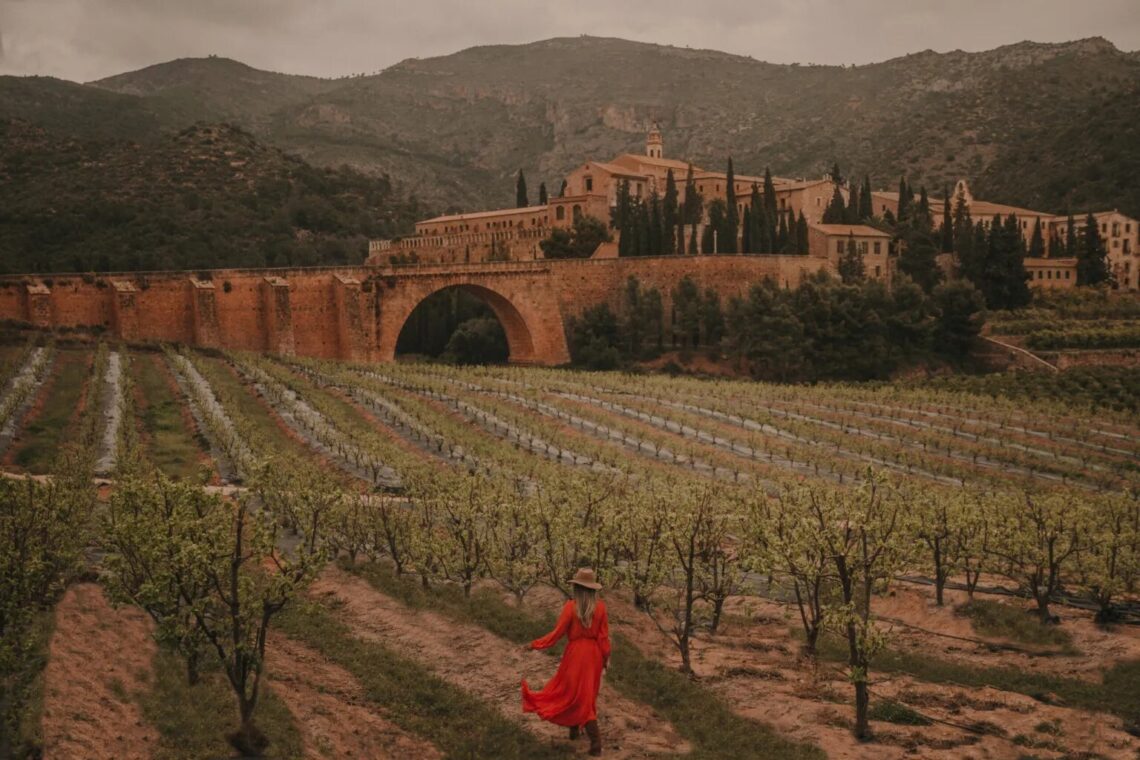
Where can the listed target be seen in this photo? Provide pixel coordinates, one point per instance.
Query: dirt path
(98, 658)
(335, 719)
(488, 666)
(756, 668)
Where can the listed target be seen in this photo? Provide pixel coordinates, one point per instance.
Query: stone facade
(1120, 233)
(514, 234)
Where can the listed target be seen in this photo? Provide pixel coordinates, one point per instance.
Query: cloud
(90, 39)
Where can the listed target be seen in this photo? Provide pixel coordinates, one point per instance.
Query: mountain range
(1048, 126)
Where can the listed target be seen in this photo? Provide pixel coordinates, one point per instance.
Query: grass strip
(1014, 623)
(42, 436)
(703, 718)
(459, 724)
(193, 721)
(1118, 694)
(169, 445)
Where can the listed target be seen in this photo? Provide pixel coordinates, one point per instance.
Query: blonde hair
(584, 600)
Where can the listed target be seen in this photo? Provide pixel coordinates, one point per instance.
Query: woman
(571, 697)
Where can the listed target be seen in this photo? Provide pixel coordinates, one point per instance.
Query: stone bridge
(357, 313)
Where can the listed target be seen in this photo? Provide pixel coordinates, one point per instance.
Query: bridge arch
(520, 342)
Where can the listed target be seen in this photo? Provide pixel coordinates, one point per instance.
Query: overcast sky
(88, 39)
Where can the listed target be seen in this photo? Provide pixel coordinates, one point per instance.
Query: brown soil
(487, 666)
(913, 605)
(98, 660)
(335, 718)
(756, 667)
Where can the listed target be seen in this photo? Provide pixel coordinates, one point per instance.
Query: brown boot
(574, 732)
(595, 738)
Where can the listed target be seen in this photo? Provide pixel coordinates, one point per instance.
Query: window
(817, 202)
(589, 184)
(1115, 243)
(1040, 275)
(878, 248)
(1067, 273)
(1050, 277)
(1024, 224)
(878, 269)
(560, 213)
(839, 246)
(577, 212)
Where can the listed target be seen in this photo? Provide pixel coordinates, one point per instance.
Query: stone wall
(358, 312)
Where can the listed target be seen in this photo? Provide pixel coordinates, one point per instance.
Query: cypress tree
(836, 211)
(782, 235)
(680, 238)
(712, 241)
(851, 262)
(853, 202)
(542, 199)
(755, 221)
(562, 190)
(693, 240)
(656, 237)
(669, 214)
(1071, 236)
(746, 233)
(727, 237)
(1092, 264)
(947, 224)
(644, 236)
(866, 201)
(521, 200)
(836, 175)
(769, 194)
(924, 217)
(622, 220)
(801, 235)
(1037, 242)
(904, 200)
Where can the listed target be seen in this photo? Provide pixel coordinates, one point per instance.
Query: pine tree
(727, 237)
(1092, 263)
(669, 215)
(521, 199)
(851, 262)
(1037, 242)
(947, 224)
(801, 235)
(542, 199)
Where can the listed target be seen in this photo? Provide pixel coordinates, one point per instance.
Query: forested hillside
(208, 196)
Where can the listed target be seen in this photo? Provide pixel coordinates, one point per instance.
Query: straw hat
(585, 577)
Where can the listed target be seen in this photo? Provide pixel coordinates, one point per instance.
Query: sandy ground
(488, 667)
(98, 659)
(335, 719)
(756, 667)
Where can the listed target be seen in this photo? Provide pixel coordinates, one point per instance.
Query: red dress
(571, 697)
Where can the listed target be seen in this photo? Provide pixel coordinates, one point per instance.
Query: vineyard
(205, 552)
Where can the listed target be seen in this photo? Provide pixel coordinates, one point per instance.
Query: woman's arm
(560, 629)
(604, 635)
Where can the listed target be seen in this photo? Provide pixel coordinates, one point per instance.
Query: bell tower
(654, 145)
